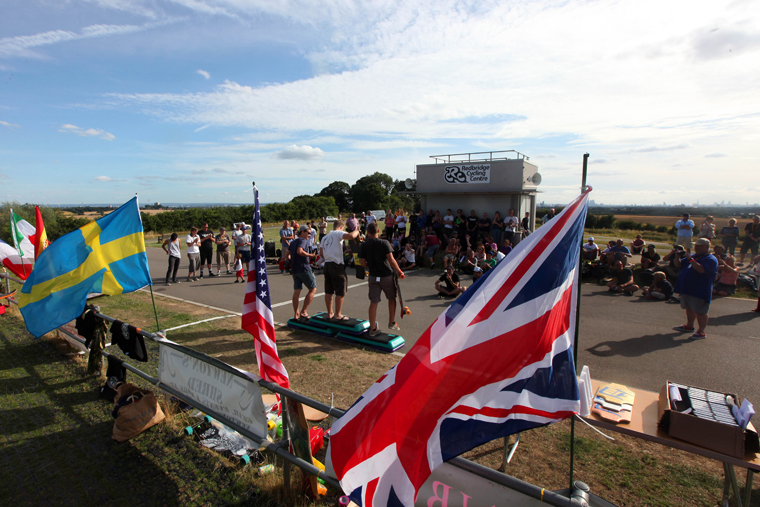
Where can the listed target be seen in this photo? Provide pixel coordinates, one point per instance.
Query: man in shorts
(377, 257)
(223, 243)
(207, 248)
(336, 283)
(193, 243)
(695, 284)
(286, 236)
(684, 232)
(451, 286)
(300, 270)
(243, 244)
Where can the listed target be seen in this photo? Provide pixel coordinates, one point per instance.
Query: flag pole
(577, 328)
(15, 241)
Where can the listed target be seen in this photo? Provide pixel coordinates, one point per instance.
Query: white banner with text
(236, 398)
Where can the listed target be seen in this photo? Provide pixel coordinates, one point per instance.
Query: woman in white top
(401, 222)
(174, 257)
(193, 254)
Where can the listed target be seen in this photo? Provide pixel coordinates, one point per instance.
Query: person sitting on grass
(673, 268)
(637, 245)
(506, 247)
(590, 250)
(406, 260)
(451, 281)
(649, 258)
(661, 289)
(727, 277)
(622, 280)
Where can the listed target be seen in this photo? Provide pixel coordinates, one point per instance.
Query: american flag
(498, 361)
(257, 307)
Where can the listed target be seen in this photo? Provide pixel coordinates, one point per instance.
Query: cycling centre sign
(468, 173)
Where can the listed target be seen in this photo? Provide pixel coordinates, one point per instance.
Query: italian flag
(11, 260)
(23, 236)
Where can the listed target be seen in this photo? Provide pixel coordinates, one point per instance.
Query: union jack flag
(257, 307)
(498, 361)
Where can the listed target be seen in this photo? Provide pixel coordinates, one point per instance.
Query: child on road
(239, 269)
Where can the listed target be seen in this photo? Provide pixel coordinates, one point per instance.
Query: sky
(192, 100)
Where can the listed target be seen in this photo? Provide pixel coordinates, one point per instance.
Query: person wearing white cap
(590, 250)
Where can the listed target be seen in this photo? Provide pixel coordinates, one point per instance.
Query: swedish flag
(106, 256)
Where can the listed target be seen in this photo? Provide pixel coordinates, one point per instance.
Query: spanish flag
(40, 236)
(106, 256)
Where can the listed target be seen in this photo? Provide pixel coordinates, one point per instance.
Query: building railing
(501, 155)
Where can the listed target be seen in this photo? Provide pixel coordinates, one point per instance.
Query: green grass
(56, 446)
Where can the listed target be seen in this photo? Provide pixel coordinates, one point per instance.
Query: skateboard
(404, 309)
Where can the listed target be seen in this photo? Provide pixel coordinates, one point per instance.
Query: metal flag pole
(577, 329)
(152, 299)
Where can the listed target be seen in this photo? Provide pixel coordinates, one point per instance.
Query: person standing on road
(526, 225)
(377, 257)
(243, 244)
(223, 243)
(286, 236)
(336, 283)
(695, 284)
(207, 249)
(193, 254)
(511, 223)
(322, 228)
(751, 240)
(401, 222)
(730, 237)
(684, 232)
(174, 257)
(237, 232)
(312, 242)
(300, 270)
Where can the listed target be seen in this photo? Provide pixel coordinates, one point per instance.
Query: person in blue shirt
(695, 284)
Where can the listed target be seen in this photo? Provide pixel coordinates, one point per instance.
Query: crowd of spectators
(711, 271)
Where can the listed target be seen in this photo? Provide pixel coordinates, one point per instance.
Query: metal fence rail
(278, 449)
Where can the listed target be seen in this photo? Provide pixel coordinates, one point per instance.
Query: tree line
(374, 191)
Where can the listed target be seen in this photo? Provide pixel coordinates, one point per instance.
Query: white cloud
(294, 152)
(87, 132)
(715, 155)
(21, 46)
(204, 73)
(11, 125)
(104, 179)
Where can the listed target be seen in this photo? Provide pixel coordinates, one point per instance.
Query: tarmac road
(622, 339)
